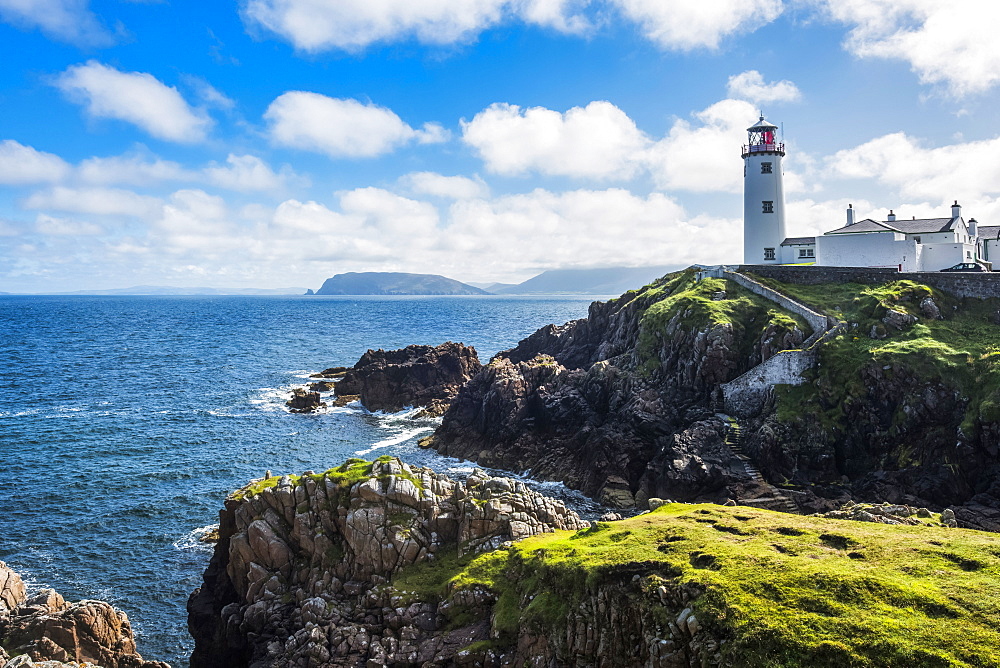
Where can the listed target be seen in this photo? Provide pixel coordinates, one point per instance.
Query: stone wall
(817, 321)
(745, 395)
(959, 284)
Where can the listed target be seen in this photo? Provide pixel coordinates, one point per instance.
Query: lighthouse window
(768, 206)
(765, 168)
(768, 253)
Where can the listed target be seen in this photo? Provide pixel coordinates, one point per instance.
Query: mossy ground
(961, 351)
(681, 294)
(352, 471)
(787, 590)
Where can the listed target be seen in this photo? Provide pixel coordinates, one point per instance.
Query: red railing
(763, 148)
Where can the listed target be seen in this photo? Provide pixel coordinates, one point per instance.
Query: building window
(768, 206)
(917, 239)
(768, 253)
(968, 254)
(807, 252)
(765, 168)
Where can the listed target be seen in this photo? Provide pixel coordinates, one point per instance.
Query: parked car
(967, 266)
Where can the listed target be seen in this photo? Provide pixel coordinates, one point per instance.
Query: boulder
(303, 401)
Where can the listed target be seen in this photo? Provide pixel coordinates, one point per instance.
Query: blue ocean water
(125, 421)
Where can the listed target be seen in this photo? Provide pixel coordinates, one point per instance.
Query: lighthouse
(763, 195)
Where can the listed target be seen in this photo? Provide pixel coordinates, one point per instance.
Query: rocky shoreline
(46, 631)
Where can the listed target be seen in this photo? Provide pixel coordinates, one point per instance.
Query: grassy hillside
(962, 350)
(679, 300)
(783, 590)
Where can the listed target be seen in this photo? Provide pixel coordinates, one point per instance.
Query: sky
(275, 143)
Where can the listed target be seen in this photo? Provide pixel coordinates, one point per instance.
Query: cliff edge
(622, 404)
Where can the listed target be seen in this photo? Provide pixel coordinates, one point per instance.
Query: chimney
(956, 210)
(973, 228)
(892, 216)
(850, 214)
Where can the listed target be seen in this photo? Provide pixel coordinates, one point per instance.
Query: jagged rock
(414, 376)
(615, 406)
(12, 590)
(345, 399)
(929, 309)
(303, 401)
(322, 386)
(46, 631)
(299, 564)
(332, 372)
(898, 319)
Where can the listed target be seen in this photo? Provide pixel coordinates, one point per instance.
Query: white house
(927, 244)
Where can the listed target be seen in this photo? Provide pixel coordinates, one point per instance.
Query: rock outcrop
(47, 631)
(298, 576)
(621, 404)
(424, 376)
(304, 401)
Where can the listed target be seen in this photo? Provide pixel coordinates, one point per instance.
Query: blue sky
(272, 143)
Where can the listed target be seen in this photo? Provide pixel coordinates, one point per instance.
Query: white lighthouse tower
(763, 195)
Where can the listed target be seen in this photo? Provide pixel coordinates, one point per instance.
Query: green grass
(680, 300)
(962, 351)
(346, 475)
(786, 590)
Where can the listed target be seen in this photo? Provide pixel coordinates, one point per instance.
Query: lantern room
(763, 138)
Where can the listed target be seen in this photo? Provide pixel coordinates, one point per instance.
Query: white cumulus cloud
(101, 201)
(21, 164)
(65, 20)
(966, 171)
(341, 127)
(947, 42)
(438, 185)
(245, 173)
(134, 97)
(597, 141)
(133, 169)
(750, 86)
(704, 156)
(686, 25)
(352, 25)
(63, 227)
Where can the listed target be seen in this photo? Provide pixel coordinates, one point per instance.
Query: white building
(927, 244)
(763, 195)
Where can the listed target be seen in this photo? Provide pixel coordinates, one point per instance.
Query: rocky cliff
(300, 573)
(903, 407)
(46, 629)
(622, 404)
(383, 564)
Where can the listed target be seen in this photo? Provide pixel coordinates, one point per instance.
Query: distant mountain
(493, 288)
(166, 290)
(611, 281)
(395, 283)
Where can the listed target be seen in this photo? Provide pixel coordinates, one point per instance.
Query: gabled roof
(798, 241)
(866, 225)
(918, 226)
(989, 231)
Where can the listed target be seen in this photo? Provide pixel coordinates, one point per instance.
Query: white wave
(192, 540)
(395, 440)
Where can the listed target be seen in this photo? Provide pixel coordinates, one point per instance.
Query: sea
(125, 422)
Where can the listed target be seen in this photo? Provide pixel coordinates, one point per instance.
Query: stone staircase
(777, 500)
